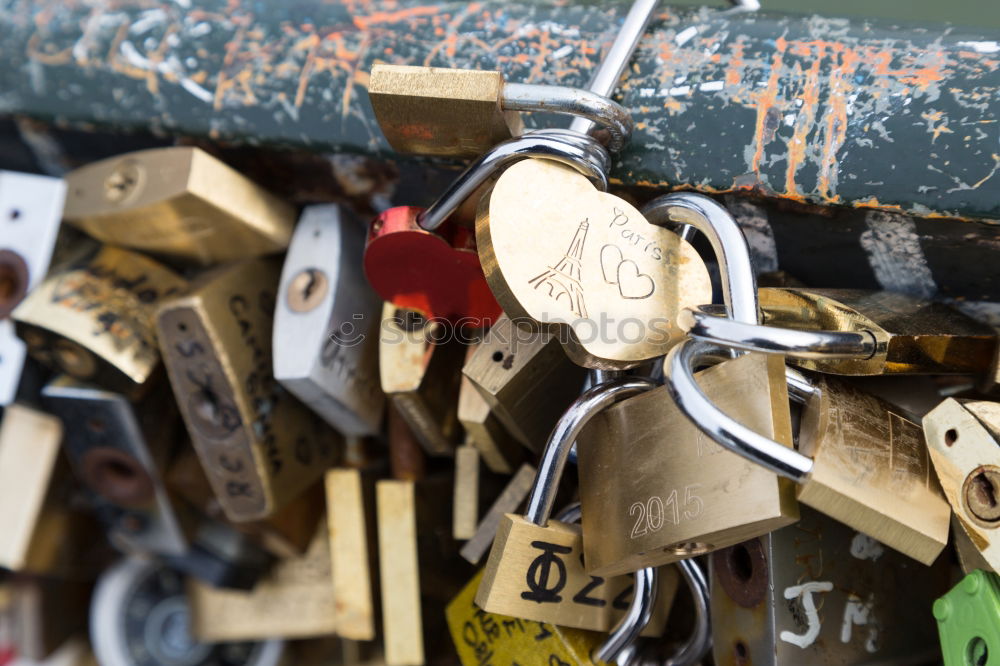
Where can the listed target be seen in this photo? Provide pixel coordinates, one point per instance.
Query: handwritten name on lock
(560, 251)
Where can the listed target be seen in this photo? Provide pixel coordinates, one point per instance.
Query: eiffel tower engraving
(563, 279)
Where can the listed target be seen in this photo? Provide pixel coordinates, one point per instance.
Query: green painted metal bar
(818, 110)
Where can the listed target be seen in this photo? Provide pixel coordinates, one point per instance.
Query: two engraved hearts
(625, 273)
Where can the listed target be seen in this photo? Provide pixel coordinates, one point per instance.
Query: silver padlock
(120, 451)
(30, 213)
(326, 323)
(139, 616)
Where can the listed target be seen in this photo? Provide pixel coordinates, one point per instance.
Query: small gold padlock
(94, 319)
(685, 494)
(421, 378)
(525, 377)
(911, 336)
(962, 439)
(179, 202)
(259, 446)
(439, 111)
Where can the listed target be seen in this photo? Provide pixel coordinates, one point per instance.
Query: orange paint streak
(765, 101)
(803, 125)
(365, 22)
(840, 86)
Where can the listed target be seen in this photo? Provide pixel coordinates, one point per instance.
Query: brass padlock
(30, 215)
(484, 431)
(900, 334)
(94, 319)
(119, 452)
(438, 111)
(350, 506)
(535, 569)
(962, 438)
(525, 377)
(139, 616)
(295, 600)
(41, 532)
(259, 446)
(859, 459)
(421, 377)
(326, 323)
(685, 494)
(179, 202)
(819, 592)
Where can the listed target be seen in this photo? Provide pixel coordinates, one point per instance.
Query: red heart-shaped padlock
(437, 274)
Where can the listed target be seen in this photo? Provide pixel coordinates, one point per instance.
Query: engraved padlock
(535, 568)
(139, 616)
(692, 496)
(120, 452)
(819, 592)
(259, 446)
(420, 376)
(179, 202)
(892, 333)
(415, 259)
(93, 320)
(30, 215)
(859, 459)
(962, 438)
(326, 323)
(524, 375)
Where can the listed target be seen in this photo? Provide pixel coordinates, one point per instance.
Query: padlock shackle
(640, 610)
(583, 153)
(739, 284)
(679, 368)
(791, 342)
(590, 106)
(569, 426)
(606, 76)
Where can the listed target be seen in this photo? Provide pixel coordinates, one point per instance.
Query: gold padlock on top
(259, 446)
(179, 202)
(93, 320)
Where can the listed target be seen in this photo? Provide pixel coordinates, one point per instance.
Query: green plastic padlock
(968, 618)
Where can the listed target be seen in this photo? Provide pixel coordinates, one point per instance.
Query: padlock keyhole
(986, 491)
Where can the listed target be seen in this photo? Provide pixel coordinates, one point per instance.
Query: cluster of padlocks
(237, 433)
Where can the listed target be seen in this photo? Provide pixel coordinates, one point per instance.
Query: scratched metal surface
(822, 110)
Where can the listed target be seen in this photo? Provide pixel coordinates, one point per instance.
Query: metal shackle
(589, 106)
(583, 153)
(640, 610)
(727, 432)
(698, 643)
(560, 442)
(791, 342)
(696, 211)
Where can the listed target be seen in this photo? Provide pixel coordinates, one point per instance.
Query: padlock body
(259, 446)
(421, 378)
(537, 573)
(436, 273)
(94, 320)
(523, 373)
(179, 202)
(872, 470)
(654, 489)
(440, 111)
(326, 324)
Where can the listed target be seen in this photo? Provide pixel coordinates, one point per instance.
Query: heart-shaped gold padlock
(559, 251)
